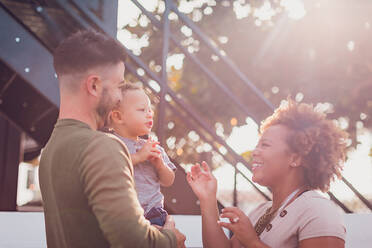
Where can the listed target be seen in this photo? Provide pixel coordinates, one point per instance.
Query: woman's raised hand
(202, 182)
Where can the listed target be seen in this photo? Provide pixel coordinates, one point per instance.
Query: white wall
(26, 230)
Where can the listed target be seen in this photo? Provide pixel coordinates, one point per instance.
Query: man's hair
(86, 49)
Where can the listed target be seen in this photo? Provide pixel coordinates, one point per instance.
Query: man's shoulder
(108, 140)
(104, 147)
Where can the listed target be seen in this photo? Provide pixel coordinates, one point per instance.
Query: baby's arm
(165, 173)
(150, 151)
(164, 167)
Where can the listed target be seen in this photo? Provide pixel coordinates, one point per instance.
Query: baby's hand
(148, 151)
(157, 160)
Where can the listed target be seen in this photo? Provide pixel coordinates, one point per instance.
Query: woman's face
(271, 157)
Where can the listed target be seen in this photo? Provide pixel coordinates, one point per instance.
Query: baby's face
(137, 113)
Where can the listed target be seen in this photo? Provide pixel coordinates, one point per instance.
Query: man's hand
(170, 225)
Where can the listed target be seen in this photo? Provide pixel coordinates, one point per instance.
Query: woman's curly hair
(319, 141)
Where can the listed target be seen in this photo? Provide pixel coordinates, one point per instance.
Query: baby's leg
(157, 216)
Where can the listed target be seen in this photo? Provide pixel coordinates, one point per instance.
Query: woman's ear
(296, 160)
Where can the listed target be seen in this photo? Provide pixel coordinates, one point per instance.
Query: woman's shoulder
(313, 203)
(318, 216)
(315, 200)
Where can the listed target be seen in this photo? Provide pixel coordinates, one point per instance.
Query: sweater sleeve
(106, 174)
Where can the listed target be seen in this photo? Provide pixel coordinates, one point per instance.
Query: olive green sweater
(86, 181)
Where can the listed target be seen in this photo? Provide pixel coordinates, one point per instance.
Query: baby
(130, 120)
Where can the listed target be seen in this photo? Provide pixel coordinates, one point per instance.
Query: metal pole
(11, 153)
(164, 81)
(357, 193)
(338, 202)
(235, 192)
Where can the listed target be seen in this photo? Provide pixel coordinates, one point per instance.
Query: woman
(299, 151)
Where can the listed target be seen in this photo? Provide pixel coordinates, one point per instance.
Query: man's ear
(93, 85)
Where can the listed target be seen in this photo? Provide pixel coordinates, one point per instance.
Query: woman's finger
(205, 167)
(195, 170)
(234, 210)
(232, 216)
(225, 225)
(189, 178)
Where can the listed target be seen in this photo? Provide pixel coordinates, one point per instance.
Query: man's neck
(76, 111)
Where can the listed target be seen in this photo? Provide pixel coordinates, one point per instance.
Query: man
(86, 177)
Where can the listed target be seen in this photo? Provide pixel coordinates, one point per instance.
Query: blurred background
(214, 71)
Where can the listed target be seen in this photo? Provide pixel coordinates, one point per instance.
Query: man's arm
(107, 177)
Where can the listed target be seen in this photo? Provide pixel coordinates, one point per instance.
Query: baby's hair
(124, 89)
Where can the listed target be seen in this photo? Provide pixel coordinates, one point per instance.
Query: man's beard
(105, 105)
